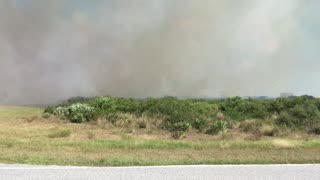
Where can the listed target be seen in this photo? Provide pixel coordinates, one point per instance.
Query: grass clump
(91, 135)
(269, 130)
(249, 126)
(178, 135)
(59, 133)
(217, 127)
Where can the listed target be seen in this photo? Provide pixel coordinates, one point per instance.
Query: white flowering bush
(61, 112)
(76, 113)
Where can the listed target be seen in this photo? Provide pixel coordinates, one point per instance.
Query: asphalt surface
(245, 172)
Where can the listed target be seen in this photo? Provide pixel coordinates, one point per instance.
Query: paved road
(291, 172)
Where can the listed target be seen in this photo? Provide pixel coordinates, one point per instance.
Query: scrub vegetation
(264, 117)
(109, 131)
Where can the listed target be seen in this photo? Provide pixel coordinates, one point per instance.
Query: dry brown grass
(282, 143)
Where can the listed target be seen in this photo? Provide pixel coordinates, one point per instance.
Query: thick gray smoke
(54, 49)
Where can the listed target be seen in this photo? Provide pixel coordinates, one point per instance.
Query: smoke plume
(55, 49)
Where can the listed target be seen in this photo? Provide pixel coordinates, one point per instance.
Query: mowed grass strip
(156, 152)
(61, 139)
(127, 157)
(173, 144)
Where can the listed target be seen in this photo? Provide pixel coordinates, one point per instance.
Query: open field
(25, 137)
(12, 113)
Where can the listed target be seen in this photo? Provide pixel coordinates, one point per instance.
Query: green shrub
(78, 113)
(285, 119)
(200, 124)
(46, 115)
(279, 105)
(61, 112)
(299, 111)
(109, 105)
(59, 133)
(239, 109)
(178, 126)
(301, 116)
(315, 130)
(218, 126)
(49, 110)
(313, 117)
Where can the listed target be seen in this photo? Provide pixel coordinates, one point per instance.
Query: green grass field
(28, 139)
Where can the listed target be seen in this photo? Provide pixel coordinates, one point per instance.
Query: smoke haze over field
(54, 49)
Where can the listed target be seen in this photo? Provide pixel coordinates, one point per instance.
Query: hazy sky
(55, 49)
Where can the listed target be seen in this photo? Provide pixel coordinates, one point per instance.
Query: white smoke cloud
(51, 50)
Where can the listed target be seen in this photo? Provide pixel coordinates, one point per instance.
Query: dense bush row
(209, 116)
